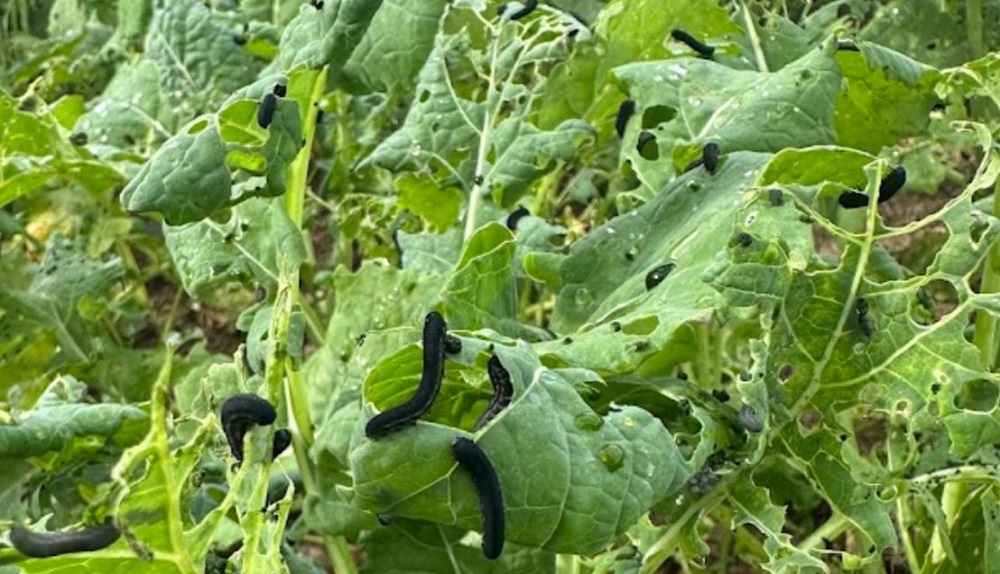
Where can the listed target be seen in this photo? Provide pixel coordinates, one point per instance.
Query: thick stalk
(984, 336)
(974, 27)
(295, 391)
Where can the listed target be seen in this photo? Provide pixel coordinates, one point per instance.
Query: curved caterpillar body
(265, 113)
(452, 345)
(644, 138)
(238, 413)
(658, 274)
(528, 8)
(472, 458)
(47, 544)
(710, 156)
(282, 440)
(515, 216)
(887, 188)
(503, 391)
(625, 112)
(435, 331)
(689, 40)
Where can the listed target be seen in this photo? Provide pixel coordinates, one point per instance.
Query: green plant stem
(952, 497)
(974, 27)
(754, 39)
(984, 336)
(475, 196)
(658, 553)
(830, 529)
(298, 403)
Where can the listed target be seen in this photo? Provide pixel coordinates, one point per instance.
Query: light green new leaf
(589, 478)
(482, 291)
(887, 97)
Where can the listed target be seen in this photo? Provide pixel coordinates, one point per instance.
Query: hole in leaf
(655, 115)
(785, 372)
(809, 420)
(943, 297)
(647, 147)
(978, 395)
(642, 326)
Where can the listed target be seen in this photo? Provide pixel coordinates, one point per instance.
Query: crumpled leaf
(601, 472)
(55, 428)
(189, 65)
(324, 38)
(487, 143)
(219, 160)
(359, 335)
(257, 242)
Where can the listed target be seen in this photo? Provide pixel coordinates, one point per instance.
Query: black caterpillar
(282, 440)
(280, 90)
(887, 188)
(472, 458)
(265, 113)
(515, 216)
(528, 8)
(238, 413)
(658, 274)
(452, 345)
(702, 49)
(625, 112)
(435, 332)
(47, 544)
(710, 156)
(503, 391)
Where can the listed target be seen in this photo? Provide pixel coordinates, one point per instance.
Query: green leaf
(482, 291)
(387, 59)
(738, 110)
(604, 275)
(411, 547)
(753, 506)
(437, 206)
(60, 428)
(326, 38)
(887, 97)
(258, 242)
(601, 472)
